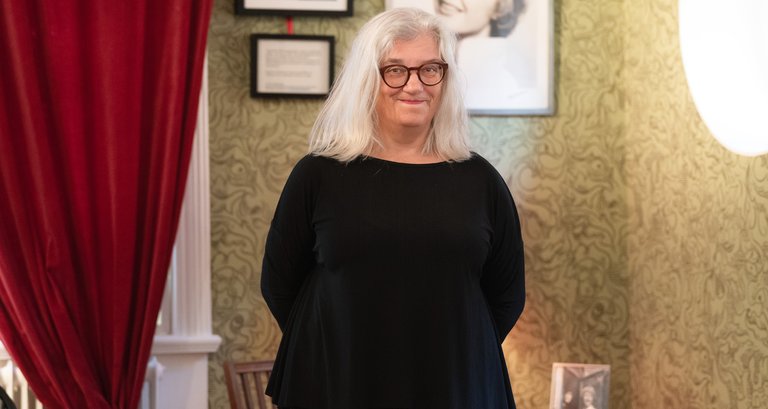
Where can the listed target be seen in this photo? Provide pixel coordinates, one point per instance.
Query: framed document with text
(294, 7)
(291, 65)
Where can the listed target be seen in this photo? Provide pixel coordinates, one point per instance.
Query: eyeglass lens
(397, 76)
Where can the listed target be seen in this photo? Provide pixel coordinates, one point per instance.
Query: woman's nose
(414, 83)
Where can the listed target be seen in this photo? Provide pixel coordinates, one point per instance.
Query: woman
(588, 397)
(394, 263)
(480, 18)
(497, 50)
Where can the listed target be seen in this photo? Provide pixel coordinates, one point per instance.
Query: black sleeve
(503, 280)
(288, 255)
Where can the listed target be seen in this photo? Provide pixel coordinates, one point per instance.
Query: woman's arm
(288, 254)
(503, 280)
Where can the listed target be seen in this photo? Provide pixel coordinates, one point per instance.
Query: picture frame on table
(579, 386)
(507, 62)
(338, 8)
(288, 65)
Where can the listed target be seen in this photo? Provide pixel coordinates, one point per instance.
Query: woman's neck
(482, 33)
(405, 156)
(406, 148)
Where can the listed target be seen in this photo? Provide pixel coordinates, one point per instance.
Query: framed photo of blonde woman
(505, 52)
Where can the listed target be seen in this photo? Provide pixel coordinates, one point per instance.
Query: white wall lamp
(725, 55)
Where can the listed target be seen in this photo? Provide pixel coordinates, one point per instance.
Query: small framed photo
(294, 7)
(505, 52)
(579, 386)
(291, 65)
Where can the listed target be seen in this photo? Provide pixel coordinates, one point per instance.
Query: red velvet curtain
(98, 101)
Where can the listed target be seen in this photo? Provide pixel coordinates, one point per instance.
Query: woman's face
(467, 17)
(415, 104)
(568, 397)
(588, 398)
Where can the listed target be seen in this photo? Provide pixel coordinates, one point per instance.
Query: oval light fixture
(724, 46)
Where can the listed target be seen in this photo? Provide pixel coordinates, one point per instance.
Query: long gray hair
(346, 125)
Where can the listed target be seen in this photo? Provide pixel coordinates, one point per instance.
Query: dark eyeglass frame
(443, 65)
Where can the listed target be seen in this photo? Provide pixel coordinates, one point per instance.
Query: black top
(394, 285)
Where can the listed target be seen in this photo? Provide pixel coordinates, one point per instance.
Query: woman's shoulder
(478, 162)
(312, 163)
(485, 170)
(313, 169)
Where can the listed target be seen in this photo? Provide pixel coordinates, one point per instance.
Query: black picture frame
(337, 8)
(288, 65)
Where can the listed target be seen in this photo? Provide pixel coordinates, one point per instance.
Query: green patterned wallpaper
(566, 174)
(698, 237)
(646, 242)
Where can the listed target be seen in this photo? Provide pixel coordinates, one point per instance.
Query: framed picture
(579, 386)
(294, 7)
(505, 52)
(291, 65)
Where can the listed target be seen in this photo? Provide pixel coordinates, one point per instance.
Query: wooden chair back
(246, 383)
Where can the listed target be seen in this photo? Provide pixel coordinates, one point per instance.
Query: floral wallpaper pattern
(698, 237)
(646, 243)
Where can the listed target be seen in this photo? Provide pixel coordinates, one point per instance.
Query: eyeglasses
(396, 76)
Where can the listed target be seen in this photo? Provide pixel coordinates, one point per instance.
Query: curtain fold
(98, 102)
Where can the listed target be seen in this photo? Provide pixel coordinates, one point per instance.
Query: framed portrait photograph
(579, 386)
(505, 52)
(294, 7)
(291, 65)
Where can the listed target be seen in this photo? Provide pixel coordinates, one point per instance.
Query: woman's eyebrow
(400, 61)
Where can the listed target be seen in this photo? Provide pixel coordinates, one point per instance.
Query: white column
(183, 353)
